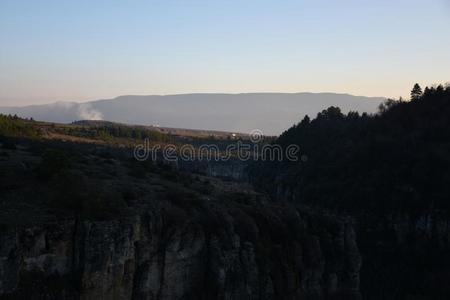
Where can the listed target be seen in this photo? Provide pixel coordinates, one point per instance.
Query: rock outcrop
(220, 252)
(233, 169)
(405, 255)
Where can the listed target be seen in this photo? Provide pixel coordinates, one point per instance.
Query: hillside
(111, 133)
(391, 173)
(390, 161)
(83, 221)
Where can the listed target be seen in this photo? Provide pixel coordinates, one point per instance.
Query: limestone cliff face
(232, 169)
(245, 252)
(405, 255)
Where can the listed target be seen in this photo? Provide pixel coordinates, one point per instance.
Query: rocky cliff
(228, 253)
(405, 254)
(79, 224)
(233, 169)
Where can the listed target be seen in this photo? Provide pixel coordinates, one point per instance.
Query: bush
(15, 126)
(89, 199)
(139, 169)
(9, 145)
(186, 200)
(102, 205)
(54, 162)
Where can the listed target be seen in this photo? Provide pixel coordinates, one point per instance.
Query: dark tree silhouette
(416, 92)
(395, 159)
(306, 120)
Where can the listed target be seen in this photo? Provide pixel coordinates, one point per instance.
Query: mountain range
(272, 113)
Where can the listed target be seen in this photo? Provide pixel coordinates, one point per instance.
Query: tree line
(397, 159)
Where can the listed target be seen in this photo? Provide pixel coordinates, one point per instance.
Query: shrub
(9, 145)
(54, 162)
(89, 199)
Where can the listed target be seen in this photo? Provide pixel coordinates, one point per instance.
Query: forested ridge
(390, 172)
(398, 159)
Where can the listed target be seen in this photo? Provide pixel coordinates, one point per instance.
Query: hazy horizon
(82, 51)
(31, 102)
(272, 113)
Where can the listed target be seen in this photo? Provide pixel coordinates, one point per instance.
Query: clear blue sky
(84, 50)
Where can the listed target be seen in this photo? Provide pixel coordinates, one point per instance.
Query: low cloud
(87, 112)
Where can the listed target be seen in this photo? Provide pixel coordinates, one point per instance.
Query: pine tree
(416, 92)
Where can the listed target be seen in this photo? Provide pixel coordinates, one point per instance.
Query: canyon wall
(236, 252)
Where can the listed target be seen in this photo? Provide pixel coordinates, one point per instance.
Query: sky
(87, 50)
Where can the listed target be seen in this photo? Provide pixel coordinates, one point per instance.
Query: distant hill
(272, 113)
